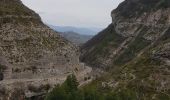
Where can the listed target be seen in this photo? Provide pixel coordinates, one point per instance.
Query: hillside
(134, 49)
(33, 57)
(76, 38)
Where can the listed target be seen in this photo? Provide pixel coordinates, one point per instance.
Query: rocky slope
(135, 48)
(33, 57)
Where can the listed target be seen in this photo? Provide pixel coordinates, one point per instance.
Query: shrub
(33, 88)
(1, 72)
(1, 76)
(45, 87)
(2, 91)
(42, 87)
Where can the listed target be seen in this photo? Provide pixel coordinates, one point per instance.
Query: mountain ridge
(80, 30)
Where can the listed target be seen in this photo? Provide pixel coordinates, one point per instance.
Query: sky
(77, 13)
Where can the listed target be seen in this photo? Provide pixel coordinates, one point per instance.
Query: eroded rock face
(135, 46)
(133, 21)
(30, 46)
(33, 53)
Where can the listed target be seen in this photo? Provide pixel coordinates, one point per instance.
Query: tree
(71, 83)
(58, 93)
(67, 91)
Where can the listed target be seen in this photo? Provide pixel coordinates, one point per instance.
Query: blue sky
(79, 13)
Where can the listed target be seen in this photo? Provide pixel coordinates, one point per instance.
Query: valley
(129, 60)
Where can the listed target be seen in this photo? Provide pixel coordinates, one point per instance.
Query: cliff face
(31, 54)
(143, 21)
(135, 46)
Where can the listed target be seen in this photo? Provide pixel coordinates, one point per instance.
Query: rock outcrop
(33, 56)
(135, 47)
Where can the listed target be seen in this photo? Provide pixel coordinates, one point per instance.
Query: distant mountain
(76, 38)
(84, 31)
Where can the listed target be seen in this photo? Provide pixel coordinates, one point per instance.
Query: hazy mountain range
(76, 38)
(76, 35)
(81, 30)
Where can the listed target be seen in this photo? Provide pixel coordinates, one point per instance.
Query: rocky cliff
(32, 56)
(135, 48)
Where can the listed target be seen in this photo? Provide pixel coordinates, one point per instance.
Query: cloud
(84, 13)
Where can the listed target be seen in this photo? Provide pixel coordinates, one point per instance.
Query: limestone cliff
(135, 47)
(136, 25)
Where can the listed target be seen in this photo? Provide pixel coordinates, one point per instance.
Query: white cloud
(83, 13)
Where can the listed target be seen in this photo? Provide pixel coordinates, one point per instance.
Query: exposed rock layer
(33, 55)
(135, 46)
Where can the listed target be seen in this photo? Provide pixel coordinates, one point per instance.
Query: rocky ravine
(135, 47)
(32, 56)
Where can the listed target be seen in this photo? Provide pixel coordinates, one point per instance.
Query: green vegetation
(163, 4)
(93, 91)
(110, 40)
(144, 69)
(67, 91)
(133, 49)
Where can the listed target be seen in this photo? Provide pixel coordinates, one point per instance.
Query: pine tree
(71, 83)
(67, 91)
